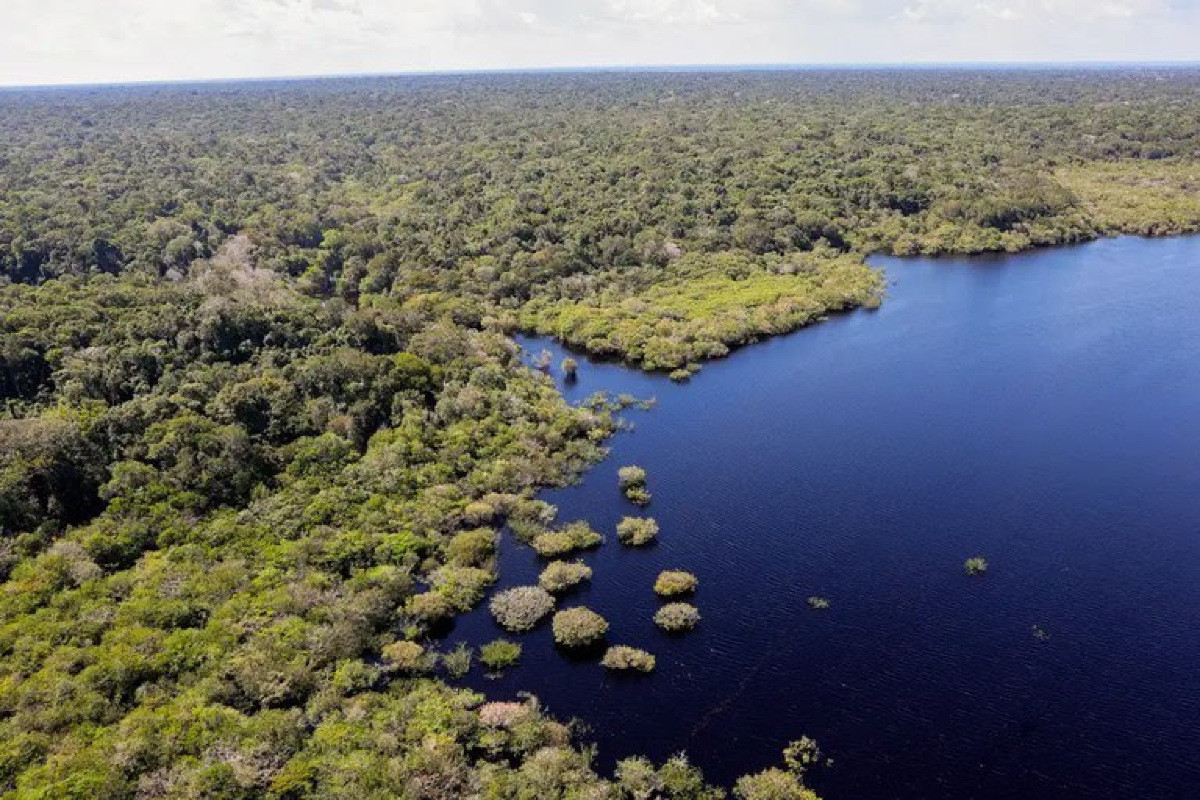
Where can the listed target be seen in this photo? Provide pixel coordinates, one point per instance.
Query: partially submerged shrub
(637, 778)
(622, 658)
(406, 656)
(553, 544)
(633, 484)
(559, 576)
(637, 531)
(570, 367)
(782, 784)
(772, 784)
(499, 654)
(631, 476)
(522, 608)
(579, 627)
(471, 548)
(976, 566)
(675, 583)
(676, 617)
(818, 603)
(528, 518)
(638, 495)
(571, 537)
(464, 587)
(457, 662)
(430, 607)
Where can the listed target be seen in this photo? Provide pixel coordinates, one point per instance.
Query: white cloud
(1033, 11)
(51, 41)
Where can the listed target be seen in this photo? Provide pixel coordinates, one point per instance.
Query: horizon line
(1093, 64)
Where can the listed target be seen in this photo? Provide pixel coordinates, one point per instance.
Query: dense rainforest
(263, 421)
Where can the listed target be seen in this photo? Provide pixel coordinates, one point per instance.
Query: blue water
(1041, 410)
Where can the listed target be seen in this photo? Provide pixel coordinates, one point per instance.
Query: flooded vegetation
(825, 489)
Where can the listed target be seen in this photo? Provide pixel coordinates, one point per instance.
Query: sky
(103, 41)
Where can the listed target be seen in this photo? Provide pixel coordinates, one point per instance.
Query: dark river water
(1041, 410)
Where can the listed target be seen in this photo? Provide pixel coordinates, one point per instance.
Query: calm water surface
(1042, 410)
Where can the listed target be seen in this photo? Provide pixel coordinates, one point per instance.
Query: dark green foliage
(260, 419)
(584, 206)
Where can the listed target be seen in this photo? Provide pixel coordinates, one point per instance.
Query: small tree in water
(976, 566)
(637, 531)
(620, 657)
(578, 627)
(631, 476)
(677, 617)
(633, 484)
(569, 367)
(674, 583)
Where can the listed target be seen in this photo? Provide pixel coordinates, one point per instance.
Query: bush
(624, 658)
(631, 476)
(638, 495)
(674, 583)
(975, 566)
(430, 607)
(464, 587)
(457, 662)
(471, 548)
(818, 603)
(574, 536)
(559, 576)
(570, 367)
(405, 656)
(633, 484)
(522, 608)
(772, 784)
(677, 617)
(579, 627)
(554, 544)
(499, 654)
(479, 512)
(637, 531)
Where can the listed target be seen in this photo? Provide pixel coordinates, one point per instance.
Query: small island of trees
(621, 658)
(522, 608)
(637, 531)
(633, 485)
(675, 583)
(677, 617)
(562, 576)
(578, 628)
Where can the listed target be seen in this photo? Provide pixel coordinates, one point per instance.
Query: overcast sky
(69, 41)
